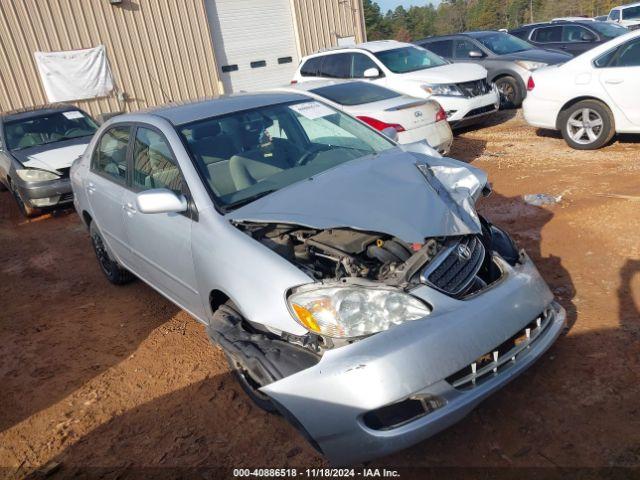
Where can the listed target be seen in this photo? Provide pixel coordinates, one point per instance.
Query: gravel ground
(103, 377)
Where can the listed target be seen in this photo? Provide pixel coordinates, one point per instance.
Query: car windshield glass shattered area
(503, 43)
(409, 59)
(248, 154)
(355, 93)
(45, 129)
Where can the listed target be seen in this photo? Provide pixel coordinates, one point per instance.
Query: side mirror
(391, 133)
(371, 73)
(476, 54)
(160, 200)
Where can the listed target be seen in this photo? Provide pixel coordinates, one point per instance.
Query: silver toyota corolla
(349, 280)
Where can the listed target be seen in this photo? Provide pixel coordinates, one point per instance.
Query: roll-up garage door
(254, 42)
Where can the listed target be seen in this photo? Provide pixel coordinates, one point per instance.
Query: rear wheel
(112, 270)
(510, 96)
(587, 125)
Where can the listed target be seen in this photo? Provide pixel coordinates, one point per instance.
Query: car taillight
(441, 115)
(531, 84)
(380, 125)
(293, 82)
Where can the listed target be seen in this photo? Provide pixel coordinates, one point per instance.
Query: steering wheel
(312, 152)
(75, 132)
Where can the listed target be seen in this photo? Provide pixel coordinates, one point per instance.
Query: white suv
(626, 15)
(462, 88)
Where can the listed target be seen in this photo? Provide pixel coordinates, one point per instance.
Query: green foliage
(452, 16)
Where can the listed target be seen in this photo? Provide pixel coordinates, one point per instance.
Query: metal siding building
(162, 50)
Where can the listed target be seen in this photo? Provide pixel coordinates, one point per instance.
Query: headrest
(209, 129)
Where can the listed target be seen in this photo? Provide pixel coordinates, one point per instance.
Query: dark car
(37, 147)
(574, 37)
(509, 60)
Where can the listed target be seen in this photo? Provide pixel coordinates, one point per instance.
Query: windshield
(355, 93)
(608, 30)
(631, 13)
(503, 43)
(245, 155)
(50, 128)
(409, 59)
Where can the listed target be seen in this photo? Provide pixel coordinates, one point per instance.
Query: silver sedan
(349, 280)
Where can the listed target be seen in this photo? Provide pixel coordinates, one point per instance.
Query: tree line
(452, 16)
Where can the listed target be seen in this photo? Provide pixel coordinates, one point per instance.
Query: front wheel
(112, 270)
(510, 96)
(587, 125)
(26, 210)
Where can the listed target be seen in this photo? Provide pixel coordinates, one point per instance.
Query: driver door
(160, 242)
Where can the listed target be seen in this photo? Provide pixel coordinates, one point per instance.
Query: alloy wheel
(585, 126)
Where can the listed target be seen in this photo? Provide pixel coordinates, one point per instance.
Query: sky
(391, 4)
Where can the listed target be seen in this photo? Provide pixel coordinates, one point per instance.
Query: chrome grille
(475, 88)
(503, 356)
(455, 267)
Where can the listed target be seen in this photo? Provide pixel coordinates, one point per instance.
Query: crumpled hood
(408, 195)
(450, 73)
(538, 55)
(53, 156)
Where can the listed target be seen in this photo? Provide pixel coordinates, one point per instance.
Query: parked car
(403, 118)
(626, 15)
(349, 280)
(574, 37)
(591, 97)
(508, 59)
(37, 147)
(462, 90)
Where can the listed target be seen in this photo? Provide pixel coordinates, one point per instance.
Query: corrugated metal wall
(152, 46)
(321, 22)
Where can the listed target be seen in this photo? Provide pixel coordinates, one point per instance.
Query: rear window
(444, 48)
(311, 68)
(355, 93)
(547, 34)
(336, 66)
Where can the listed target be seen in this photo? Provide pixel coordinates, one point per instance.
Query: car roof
(470, 34)
(636, 4)
(373, 47)
(554, 23)
(36, 111)
(182, 113)
(313, 84)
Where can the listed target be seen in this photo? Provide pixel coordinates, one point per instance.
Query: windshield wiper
(252, 198)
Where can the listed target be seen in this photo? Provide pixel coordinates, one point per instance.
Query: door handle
(91, 187)
(614, 81)
(129, 208)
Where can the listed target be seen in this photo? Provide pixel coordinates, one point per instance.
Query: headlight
(443, 89)
(527, 65)
(35, 175)
(354, 311)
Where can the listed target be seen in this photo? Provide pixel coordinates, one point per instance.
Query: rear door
(549, 37)
(160, 242)
(105, 185)
(620, 77)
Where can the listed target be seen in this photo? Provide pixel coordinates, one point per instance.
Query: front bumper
(438, 135)
(329, 400)
(46, 194)
(465, 111)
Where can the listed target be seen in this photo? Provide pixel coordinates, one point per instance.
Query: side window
(153, 163)
(311, 68)
(463, 47)
(627, 55)
(361, 63)
(444, 48)
(547, 34)
(110, 156)
(336, 66)
(574, 33)
(614, 15)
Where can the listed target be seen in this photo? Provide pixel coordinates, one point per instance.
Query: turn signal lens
(306, 318)
(380, 125)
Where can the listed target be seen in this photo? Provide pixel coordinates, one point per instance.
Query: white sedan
(406, 119)
(590, 98)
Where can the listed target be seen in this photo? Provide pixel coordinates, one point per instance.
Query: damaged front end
(408, 326)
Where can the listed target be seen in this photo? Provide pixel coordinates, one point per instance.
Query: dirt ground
(94, 375)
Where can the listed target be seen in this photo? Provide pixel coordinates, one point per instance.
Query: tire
(112, 270)
(26, 210)
(510, 94)
(587, 125)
